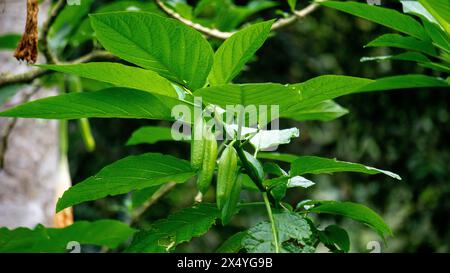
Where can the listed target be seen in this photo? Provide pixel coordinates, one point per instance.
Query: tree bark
(33, 173)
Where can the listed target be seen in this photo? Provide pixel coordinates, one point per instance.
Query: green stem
(86, 134)
(272, 222)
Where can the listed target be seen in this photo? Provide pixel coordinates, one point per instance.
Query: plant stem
(272, 222)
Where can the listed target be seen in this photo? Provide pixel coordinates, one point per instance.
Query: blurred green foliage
(404, 131)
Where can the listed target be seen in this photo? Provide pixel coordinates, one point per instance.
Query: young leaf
(233, 244)
(166, 46)
(128, 174)
(119, 75)
(107, 103)
(383, 16)
(232, 55)
(179, 227)
(317, 165)
(154, 134)
(107, 233)
(396, 40)
(353, 211)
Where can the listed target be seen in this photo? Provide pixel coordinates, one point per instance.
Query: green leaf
(335, 238)
(353, 211)
(403, 82)
(396, 40)
(9, 41)
(232, 55)
(322, 88)
(290, 226)
(107, 233)
(108, 103)
(154, 134)
(440, 9)
(414, 7)
(437, 35)
(252, 95)
(119, 75)
(289, 158)
(166, 46)
(383, 16)
(324, 111)
(233, 244)
(318, 165)
(179, 227)
(128, 174)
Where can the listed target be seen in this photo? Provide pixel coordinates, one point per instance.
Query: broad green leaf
(119, 75)
(233, 244)
(108, 103)
(289, 158)
(166, 46)
(128, 174)
(437, 35)
(323, 88)
(353, 211)
(9, 41)
(179, 227)
(324, 111)
(335, 238)
(403, 82)
(440, 9)
(107, 233)
(318, 165)
(383, 16)
(251, 95)
(270, 139)
(154, 134)
(232, 55)
(85, 31)
(290, 226)
(396, 40)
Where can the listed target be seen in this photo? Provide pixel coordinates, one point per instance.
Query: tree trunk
(33, 174)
